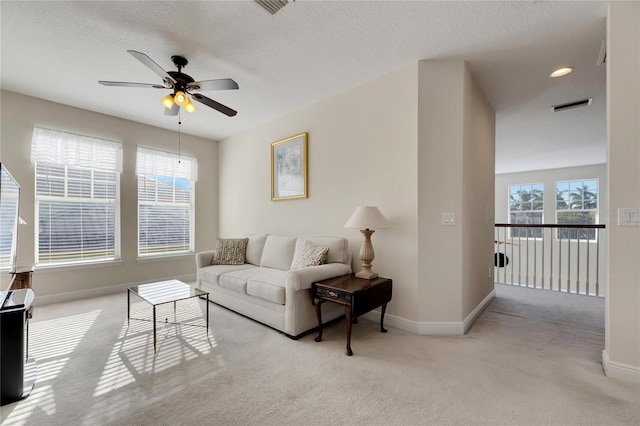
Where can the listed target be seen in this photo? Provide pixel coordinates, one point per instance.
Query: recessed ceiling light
(561, 71)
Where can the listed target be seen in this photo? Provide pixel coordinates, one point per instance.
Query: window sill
(164, 257)
(78, 266)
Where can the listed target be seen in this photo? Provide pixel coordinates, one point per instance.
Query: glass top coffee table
(162, 292)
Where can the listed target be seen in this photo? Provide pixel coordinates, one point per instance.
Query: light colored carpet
(530, 359)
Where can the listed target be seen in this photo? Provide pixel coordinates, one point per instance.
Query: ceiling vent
(572, 105)
(272, 6)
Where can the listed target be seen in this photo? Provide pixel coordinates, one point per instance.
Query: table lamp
(366, 219)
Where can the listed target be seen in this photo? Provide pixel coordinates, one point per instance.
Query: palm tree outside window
(577, 204)
(526, 206)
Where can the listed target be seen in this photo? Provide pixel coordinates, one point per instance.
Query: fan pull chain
(179, 141)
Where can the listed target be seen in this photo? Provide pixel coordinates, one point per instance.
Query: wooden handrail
(547, 225)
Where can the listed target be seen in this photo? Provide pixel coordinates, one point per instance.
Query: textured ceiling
(312, 50)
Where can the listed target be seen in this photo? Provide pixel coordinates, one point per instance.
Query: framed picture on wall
(289, 166)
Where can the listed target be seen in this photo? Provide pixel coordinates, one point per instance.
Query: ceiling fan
(184, 86)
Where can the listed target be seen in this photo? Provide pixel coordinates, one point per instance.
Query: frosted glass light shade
(189, 107)
(367, 217)
(167, 101)
(180, 98)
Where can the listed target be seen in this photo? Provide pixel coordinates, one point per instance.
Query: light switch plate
(448, 219)
(628, 217)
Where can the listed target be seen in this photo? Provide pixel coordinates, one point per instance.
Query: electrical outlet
(490, 271)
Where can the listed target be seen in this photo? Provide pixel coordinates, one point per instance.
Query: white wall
(21, 113)
(456, 175)
(396, 142)
(621, 357)
(362, 151)
(441, 110)
(478, 192)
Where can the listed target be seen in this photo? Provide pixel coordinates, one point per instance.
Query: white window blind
(62, 148)
(160, 163)
(165, 202)
(77, 197)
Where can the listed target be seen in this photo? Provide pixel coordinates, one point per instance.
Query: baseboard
(99, 291)
(471, 318)
(433, 328)
(618, 370)
(394, 321)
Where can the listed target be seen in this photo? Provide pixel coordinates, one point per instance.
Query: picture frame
(289, 168)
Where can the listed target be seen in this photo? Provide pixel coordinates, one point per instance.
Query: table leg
(154, 329)
(319, 315)
(384, 308)
(128, 306)
(349, 352)
(207, 314)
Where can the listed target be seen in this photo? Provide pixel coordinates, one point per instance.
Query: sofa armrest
(204, 258)
(301, 279)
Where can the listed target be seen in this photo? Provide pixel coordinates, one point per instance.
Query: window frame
(117, 254)
(537, 233)
(179, 173)
(596, 210)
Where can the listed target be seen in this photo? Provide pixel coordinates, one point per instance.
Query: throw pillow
(230, 251)
(312, 255)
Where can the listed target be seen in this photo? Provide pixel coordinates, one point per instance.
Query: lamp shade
(367, 217)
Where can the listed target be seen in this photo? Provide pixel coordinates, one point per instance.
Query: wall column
(621, 357)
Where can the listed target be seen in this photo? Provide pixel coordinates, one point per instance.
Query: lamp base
(367, 275)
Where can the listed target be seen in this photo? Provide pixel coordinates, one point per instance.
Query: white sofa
(265, 288)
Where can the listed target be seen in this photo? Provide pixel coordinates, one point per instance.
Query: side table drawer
(332, 294)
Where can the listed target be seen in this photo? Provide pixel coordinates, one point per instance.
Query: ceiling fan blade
(153, 66)
(213, 104)
(218, 84)
(173, 111)
(126, 84)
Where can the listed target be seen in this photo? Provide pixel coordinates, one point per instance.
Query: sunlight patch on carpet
(132, 358)
(51, 343)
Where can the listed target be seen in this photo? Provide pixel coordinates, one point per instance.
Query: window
(165, 202)
(577, 204)
(526, 207)
(77, 197)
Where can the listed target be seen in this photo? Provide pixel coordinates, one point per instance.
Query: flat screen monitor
(9, 204)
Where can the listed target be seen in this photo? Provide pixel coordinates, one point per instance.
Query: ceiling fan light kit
(190, 107)
(180, 98)
(168, 101)
(183, 86)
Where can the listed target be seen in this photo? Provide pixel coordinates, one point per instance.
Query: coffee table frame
(160, 293)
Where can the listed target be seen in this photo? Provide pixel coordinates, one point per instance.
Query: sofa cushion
(338, 248)
(278, 252)
(312, 255)
(237, 280)
(212, 273)
(230, 251)
(268, 285)
(255, 246)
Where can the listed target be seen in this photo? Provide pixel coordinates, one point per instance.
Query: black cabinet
(17, 369)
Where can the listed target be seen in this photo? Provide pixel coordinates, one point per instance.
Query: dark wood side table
(358, 296)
